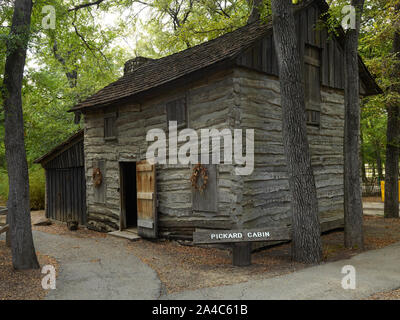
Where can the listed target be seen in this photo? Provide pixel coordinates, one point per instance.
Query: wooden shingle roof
(224, 49)
(169, 68)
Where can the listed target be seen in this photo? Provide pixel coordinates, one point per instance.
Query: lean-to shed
(65, 180)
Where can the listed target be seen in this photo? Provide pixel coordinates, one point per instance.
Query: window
(110, 131)
(312, 81)
(176, 111)
(313, 117)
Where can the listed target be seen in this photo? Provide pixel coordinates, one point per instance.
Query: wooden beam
(241, 254)
(145, 195)
(4, 229)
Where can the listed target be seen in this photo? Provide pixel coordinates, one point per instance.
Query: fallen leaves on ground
(21, 285)
(182, 267)
(60, 228)
(392, 295)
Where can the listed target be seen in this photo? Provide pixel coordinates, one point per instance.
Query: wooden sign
(245, 235)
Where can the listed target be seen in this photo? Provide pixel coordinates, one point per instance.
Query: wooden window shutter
(207, 201)
(312, 82)
(146, 199)
(100, 191)
(176, 111)
(110, 130)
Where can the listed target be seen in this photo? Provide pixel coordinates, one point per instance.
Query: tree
(306, 236)
(22, 247)
(353, 211)
(393, 134)
(255, 12)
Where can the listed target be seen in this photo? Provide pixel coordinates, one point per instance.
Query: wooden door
(146, 199)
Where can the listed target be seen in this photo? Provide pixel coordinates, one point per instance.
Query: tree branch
(85, 5)
(88, 45)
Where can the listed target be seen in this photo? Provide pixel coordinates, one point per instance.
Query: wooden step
(131, 230)
(125, 235)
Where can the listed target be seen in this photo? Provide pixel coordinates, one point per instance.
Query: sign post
(241, 240)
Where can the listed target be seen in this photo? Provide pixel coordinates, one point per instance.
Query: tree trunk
(393, 142)
(306, 237)
(255, 10)
(379, 164)
(22, 248)
(373, 170)
(353, 211)
(362, 157)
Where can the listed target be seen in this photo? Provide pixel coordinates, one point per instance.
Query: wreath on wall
(199, 173)
(97, 177)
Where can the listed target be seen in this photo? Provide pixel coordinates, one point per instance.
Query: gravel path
(99, 268)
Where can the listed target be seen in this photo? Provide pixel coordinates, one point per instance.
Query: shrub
(3, 187)
(36, 187)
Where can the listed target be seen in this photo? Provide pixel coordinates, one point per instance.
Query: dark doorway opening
(128, 195)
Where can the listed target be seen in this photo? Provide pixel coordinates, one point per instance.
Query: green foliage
(3, 187)
(172, 28)
(37, 187)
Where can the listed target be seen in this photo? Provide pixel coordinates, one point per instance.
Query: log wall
(266, 196)
(238, 98)
(209, 104)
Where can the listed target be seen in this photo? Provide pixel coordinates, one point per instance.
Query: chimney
(255, 11)
(135, 63)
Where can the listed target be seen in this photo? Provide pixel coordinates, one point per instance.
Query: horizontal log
(200, 222)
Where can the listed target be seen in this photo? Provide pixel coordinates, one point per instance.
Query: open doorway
(128, 195)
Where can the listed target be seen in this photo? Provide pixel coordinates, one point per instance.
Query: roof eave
(227, 62)
(59, 148)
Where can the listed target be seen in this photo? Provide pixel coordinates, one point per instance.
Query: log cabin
(228, 82)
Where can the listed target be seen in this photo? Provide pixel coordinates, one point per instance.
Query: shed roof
(60, 148)
(165, 70)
